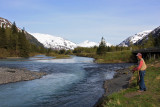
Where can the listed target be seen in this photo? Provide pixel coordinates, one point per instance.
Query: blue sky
(79, 20)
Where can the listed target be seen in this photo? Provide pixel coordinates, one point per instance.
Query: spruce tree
(14, 37)
(3, 39)
(157, 41)
(150, 43)
(102, 47)
(7, 34)
(14, 28)
(23, 45)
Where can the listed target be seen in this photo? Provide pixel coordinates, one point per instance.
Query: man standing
(142, 70)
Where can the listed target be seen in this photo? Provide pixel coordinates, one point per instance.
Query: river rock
(8, 75)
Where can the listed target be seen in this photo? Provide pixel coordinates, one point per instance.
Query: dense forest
(13, 43)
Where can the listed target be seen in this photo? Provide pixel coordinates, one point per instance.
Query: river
(73, 82)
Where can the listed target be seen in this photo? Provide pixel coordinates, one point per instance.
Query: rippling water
(74, 82)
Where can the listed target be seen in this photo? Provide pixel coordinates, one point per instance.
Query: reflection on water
(74, 82)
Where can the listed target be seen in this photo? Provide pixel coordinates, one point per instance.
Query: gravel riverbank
(8, 75)
(119, 82)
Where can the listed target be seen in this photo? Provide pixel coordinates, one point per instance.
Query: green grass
(62, 56)
(58, 56)
(115, 57)
(110, 57)
(131, 98)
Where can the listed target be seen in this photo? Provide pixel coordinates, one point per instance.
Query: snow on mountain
(108, 44)
(87, 44)
(90, 44)
(154, 33)
(5, 22)
(135, 38)
(54, 42)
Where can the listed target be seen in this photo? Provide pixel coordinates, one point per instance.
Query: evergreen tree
(150, 43)
(14, 28)
(7, 34)
(157, 41)
(14, 42)
(23, 45)
(62, 51)
(3, 38)
(14, 37)
(102, 47)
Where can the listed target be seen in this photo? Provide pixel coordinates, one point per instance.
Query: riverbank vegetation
(15, 44)
(110, 57)
(131, 98)
(58, 54)
(106, 54)
(116, 54)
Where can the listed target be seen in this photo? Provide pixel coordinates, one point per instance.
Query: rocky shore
(120, 81)
(8, 75)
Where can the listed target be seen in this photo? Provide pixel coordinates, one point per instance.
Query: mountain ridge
(135, 38)
(155, 34)
(56, 42)
(6, 23)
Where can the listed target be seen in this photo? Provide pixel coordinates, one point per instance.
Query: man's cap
(139, 54)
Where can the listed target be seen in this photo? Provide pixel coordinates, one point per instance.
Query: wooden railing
(149, 53)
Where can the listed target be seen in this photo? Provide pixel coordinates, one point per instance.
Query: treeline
(106, 54)
(110, 54)
(13, 43)
(51, 52)
(102, 49)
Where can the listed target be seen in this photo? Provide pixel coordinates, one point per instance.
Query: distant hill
(54, 42)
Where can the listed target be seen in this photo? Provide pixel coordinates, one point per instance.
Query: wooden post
(154, 56)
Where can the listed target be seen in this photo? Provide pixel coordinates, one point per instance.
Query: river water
(74, 82)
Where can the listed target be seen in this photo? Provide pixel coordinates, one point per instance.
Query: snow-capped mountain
(154, 33)
(54, 42)
(108, 44)
(90, 44)
(5, 22)
(87, 44)
(135, 38)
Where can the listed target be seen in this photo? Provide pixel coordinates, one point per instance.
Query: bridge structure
(148, 53)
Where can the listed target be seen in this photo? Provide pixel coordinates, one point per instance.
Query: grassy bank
(58, 56)
(131, 98)
(115, 57)
(111, 57)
